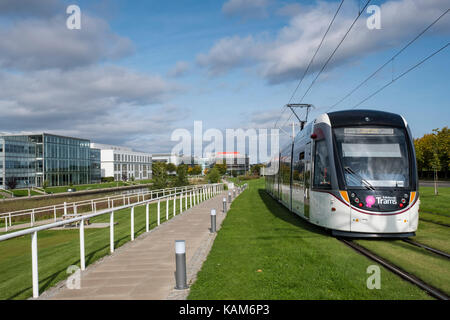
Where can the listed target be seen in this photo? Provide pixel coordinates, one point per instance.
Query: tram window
(322, 177)
(301, 156)
(299, 170)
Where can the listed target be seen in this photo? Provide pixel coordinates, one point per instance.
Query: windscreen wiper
(364, 181)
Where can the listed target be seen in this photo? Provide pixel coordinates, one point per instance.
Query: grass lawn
(439, 204)
(60, 249)
(24, 193)
(435, 218)
(425, 265)
(265, 252)
(87, 187)
(433, 235)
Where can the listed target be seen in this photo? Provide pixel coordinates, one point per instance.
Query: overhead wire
(401, 75)
(389, 61)
(311, 61)
(331, 56)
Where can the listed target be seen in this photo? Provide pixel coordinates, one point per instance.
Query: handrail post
(65, 208)
(159, 212)
(32, 218)
(181, 201)
(54, 212)
(82, 256)
(6, 224)
(190, 200)
(132, 223)
(34, 265)
(10, 222)
(185, 200)
(167, 208)
(111, 232)
(146, 216)
(174, 204)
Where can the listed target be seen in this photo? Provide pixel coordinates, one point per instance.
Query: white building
(122, 162)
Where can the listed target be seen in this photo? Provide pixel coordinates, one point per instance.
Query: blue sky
(138, 70)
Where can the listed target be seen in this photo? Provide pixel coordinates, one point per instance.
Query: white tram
(352, 172)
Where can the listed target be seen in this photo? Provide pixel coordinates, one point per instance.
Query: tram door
(307, 183)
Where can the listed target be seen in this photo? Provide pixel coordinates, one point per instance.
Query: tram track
(432, 291)
(421, 245)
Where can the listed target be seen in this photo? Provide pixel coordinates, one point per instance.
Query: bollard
(213, 220)
(180, 260)
(229, 197)
(224, 205)
(234, 193)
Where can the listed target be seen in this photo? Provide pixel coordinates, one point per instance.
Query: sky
(138, 70)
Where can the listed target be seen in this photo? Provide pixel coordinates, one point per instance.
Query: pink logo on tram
(370, 201)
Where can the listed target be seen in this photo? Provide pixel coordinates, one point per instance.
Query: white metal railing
(196, 196)
(91, 205)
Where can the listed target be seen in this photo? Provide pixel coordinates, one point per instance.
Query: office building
(124, 163)
(31, 159)
(236, 163)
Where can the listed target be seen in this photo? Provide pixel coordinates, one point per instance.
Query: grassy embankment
(265, 252)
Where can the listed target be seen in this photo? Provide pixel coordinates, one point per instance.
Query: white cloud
(180, 69)
(33, 44)
(286, 56)
(229, 53)
(110, 104)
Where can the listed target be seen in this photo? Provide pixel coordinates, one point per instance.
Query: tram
(352, 172)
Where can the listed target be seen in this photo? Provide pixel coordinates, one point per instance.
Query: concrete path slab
(144, 268)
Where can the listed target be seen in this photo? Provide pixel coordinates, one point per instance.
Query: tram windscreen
(373, 157)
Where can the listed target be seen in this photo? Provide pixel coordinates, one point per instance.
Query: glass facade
(17, 161)
(66, 160)
(33, 159)
(95, 161)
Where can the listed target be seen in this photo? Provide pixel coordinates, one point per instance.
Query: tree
(124, 177)
(159, 175)
(11, 182)
(196, 170)
(221, 167)
(45, 184)
(170, 167)
(213, 175)
(256, 169)
(181, 176)
(433, 152)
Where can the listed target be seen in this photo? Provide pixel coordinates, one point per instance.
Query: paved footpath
(144, 268)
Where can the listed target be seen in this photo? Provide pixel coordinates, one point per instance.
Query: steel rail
(432, 291)
(421, 245)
